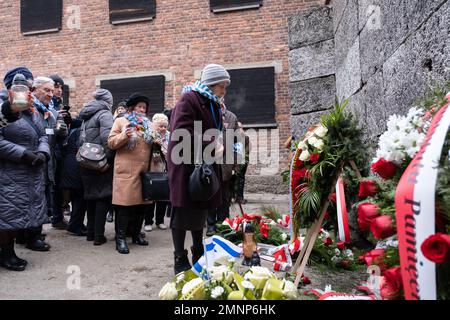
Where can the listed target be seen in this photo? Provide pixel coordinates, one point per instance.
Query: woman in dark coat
(97, 123)
(70, 179)
(199, 103)
(24, 150)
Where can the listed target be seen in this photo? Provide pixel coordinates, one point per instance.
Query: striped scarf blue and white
(203, 90)
(42, 108)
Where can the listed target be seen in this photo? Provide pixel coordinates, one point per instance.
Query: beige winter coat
(128, 165)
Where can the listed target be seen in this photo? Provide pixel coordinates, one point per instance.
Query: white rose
(217, 292)
(284, 236)
(319, 144)
(321, 131)
(168, 292)
(290, 290)
(219, 273)
(312, 141)
(303, 146)
(305, 156)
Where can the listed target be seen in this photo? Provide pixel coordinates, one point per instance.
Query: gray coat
(98, 121)
(22, 190)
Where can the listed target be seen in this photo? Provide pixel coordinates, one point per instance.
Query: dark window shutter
(38, 16)
(153, 87)
(131, 10)
(251, 95)
(66, 95)
(230, 5)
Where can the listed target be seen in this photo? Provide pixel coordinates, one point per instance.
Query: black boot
(99, 240)
(196, 254)
(9, 260)
(121, 238)
(139, 240)
(181, 262)
(137, 235)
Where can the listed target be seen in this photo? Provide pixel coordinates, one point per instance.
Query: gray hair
(39, 81)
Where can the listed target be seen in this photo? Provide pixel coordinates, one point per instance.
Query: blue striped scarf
(203, 90)
(42, 108)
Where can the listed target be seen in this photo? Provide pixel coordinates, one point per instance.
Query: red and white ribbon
(342, 213)
(415, 211)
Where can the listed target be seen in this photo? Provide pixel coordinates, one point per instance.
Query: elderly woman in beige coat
(131, 138)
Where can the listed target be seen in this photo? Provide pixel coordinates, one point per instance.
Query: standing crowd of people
(45, 152)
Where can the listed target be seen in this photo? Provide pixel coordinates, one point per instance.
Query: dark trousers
(79, 206)
(240, 182)
(157, 210)
(221, 213)
(129, 219)
(96, 216)
(28, 236)
(55, 197)
(7, 237)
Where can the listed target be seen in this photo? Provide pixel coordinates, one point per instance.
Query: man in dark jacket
(58, 221)
(57, 131)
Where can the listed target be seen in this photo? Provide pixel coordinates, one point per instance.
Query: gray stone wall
(311, 67)
(387, 54)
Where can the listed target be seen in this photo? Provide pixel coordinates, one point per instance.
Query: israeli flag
(216, 249)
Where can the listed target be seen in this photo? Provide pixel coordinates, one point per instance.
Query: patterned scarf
(203, 90)
(43, 109)
(142, 124)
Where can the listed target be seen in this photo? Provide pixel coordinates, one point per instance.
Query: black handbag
(203, 183)
(155, 185)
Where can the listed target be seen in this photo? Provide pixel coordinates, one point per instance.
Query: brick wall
(184, 36)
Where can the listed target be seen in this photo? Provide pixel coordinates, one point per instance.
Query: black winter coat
(98, 121)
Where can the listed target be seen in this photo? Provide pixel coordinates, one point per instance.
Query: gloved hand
(29, 157)
(40, 159)
(62, 131)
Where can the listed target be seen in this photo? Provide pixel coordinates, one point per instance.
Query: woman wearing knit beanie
(97, 123)
(200, 102)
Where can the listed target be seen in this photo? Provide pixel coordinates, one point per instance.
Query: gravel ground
(106, 274)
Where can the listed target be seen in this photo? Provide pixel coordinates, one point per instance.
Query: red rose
(392, 284)
(296, 178)
(305, 280)
(341, 245)
(382, 227)
(264, 230)
(299, 163)
(333, 197)
(375, 257)
(394, 277)
(326, 216)
(328, 241)
(367, 189)
(366, 213)
(303, 173)
(437, 248)
(384, 169)
(315, 158)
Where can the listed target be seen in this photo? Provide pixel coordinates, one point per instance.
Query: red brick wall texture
(183, 37)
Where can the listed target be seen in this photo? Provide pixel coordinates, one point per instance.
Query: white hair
(39, 81)
(160, 117)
